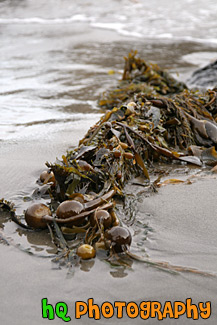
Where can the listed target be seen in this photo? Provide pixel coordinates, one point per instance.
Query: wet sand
(184, 233)
(181, 230)
(181, 223)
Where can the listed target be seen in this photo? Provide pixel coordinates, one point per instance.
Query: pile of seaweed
(150, 117)
(144, 127)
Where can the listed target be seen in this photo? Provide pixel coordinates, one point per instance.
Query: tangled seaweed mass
(150, 117)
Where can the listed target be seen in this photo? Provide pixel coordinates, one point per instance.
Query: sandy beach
(183, 233)
(53, 75)
(181, 225)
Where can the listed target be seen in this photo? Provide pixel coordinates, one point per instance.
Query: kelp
(139, 77)
(151, 118)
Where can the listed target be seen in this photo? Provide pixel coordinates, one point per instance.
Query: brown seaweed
(152, 118)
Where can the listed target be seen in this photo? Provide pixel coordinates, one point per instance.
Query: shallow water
(51, 55)
(183, 20)
(55, 60)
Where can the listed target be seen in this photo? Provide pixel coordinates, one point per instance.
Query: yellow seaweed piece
(170, 181)
(140, 162)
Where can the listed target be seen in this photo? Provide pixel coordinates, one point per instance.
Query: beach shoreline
(179, 221)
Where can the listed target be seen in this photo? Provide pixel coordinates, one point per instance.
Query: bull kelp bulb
(47, 176)
(86, 251)
(69, 209)
(104, 218)
(119, 236)
(34, 215)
